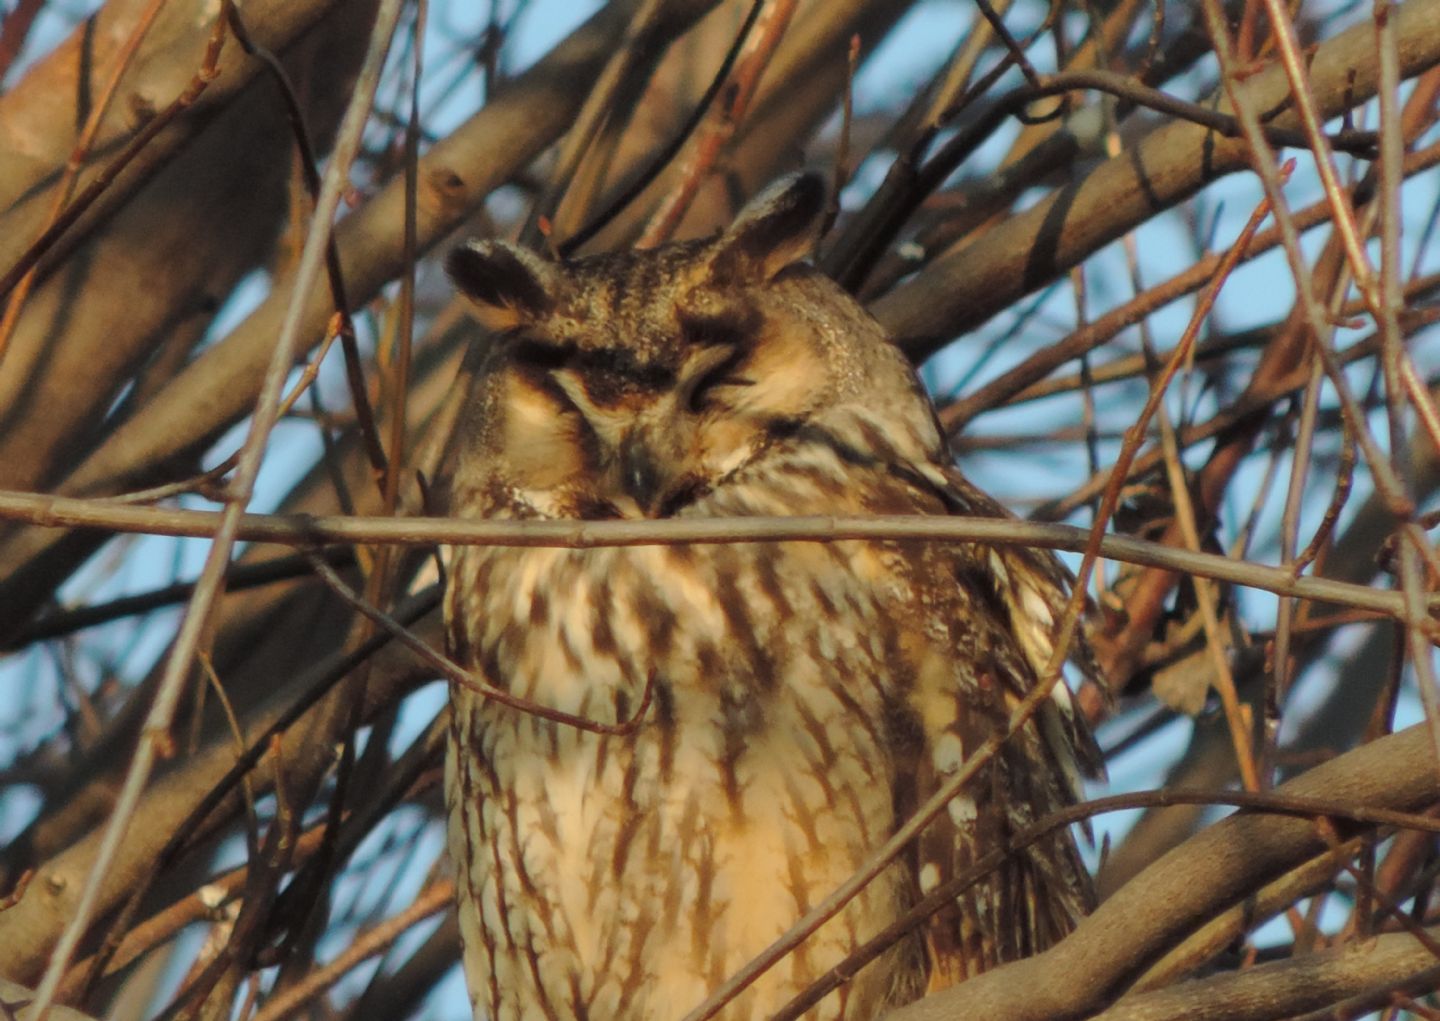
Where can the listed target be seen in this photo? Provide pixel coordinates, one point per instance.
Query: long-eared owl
(803, 697)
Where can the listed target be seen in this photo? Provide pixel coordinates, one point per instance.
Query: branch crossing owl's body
(799, 699)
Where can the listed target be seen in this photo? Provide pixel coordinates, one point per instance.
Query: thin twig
(60, 622)
(334, 273)
(433, 899)
(598, 110)
(707, 147)
(306, 531)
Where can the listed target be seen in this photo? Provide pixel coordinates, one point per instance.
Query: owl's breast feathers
(805, 696)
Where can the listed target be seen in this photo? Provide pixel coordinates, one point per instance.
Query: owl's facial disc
(633, 383)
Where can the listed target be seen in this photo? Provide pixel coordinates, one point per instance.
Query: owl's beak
(646, 478)
(640, 474)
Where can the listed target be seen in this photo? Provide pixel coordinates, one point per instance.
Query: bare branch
(1211, 872)
(300, 530)
(966, 286)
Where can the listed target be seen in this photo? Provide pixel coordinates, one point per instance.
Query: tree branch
(1393, 962)
(1208, 874)
(303, 530)
(966, 286)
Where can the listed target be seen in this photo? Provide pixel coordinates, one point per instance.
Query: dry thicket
(1175, 265)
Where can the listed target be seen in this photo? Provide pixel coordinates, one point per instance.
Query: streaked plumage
(805, 696)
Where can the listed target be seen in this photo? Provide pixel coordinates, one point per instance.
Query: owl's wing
(1034, 587)
(1005, 604)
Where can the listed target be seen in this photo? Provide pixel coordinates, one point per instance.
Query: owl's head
(631, 384)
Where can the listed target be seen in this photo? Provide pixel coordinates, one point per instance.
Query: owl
(799, 698)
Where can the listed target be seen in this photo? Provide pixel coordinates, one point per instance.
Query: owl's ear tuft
(776, 229)
(509, 285)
